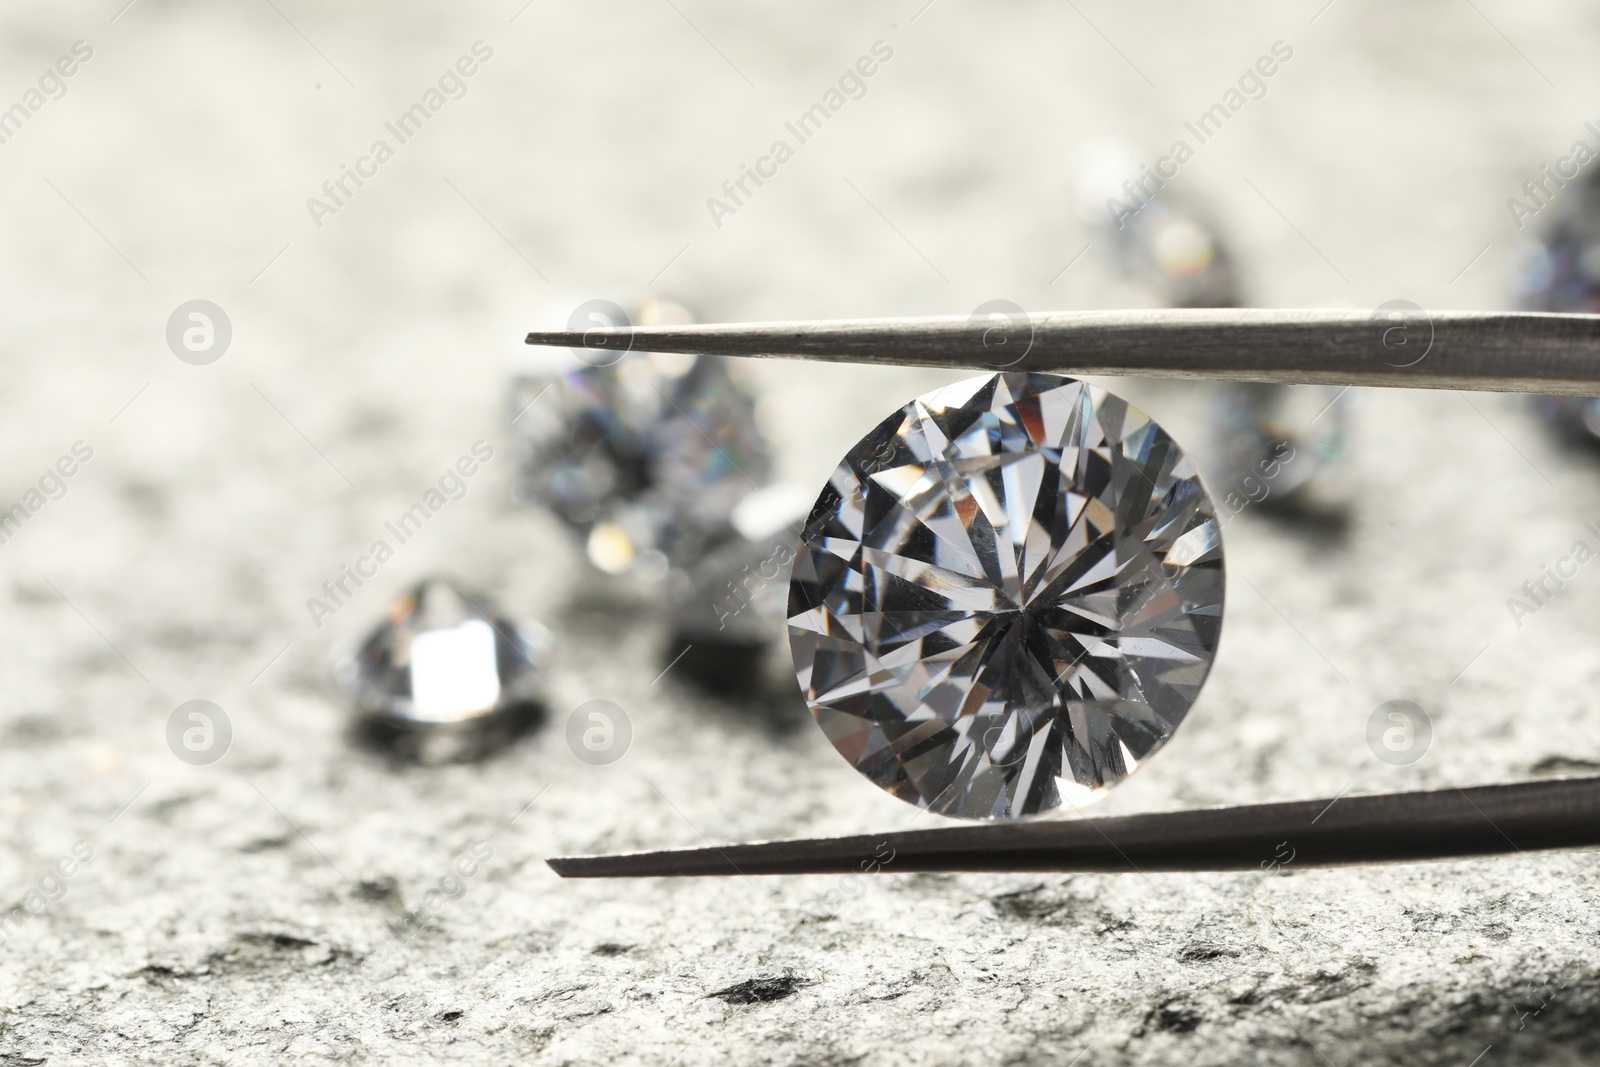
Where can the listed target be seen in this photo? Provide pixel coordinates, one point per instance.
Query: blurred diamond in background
(643, 457)
(1561, 272)
(445, 668)
(1270, 441)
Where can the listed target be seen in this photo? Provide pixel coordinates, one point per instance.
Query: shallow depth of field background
(239, 911)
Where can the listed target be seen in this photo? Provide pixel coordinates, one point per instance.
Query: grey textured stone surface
(241, 912)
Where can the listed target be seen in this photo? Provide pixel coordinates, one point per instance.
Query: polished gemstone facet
(1007, 597)
(442, 656)
(643, 457)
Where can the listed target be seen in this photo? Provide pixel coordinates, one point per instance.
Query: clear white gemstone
(443, 655)
(1007, 597)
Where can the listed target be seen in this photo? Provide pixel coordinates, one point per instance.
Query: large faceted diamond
(1007, 597)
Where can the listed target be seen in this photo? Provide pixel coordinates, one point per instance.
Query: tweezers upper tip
(571, 339)
(565, 866)
(1529, 352)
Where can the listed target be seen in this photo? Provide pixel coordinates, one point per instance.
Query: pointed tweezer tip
(579, 339)
(666, 863)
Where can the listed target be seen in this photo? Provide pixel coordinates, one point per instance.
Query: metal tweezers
(1396, 346)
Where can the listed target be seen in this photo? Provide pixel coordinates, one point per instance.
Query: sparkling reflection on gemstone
(443, 655)
(1007, 597)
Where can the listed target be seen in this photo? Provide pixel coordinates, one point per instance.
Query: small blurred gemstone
(1273, 439)
(443, 655)
(643, 458)
(1561, 272)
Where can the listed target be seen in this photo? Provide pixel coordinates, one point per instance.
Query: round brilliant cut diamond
(1007, 597)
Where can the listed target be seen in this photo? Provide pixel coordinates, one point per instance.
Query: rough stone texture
(241, 912)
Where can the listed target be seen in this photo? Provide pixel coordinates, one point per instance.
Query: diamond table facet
(1007, 597)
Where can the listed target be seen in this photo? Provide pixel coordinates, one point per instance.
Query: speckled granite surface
(243, 912)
